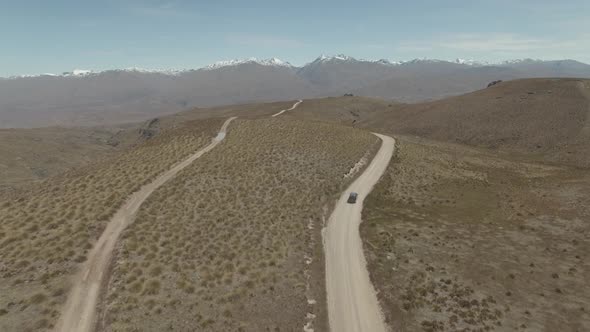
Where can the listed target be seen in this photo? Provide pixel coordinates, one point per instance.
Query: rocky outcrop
(494, 83)
(150, 129)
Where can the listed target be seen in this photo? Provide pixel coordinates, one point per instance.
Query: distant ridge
(84, 97)
(276, 62)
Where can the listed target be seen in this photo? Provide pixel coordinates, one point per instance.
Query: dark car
(352, 198)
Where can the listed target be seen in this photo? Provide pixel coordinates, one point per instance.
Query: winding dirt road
(78, 314)
(352, 301)
(290, 109)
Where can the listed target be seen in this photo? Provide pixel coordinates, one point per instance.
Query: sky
(62, 35)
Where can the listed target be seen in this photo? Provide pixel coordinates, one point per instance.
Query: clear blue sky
(62, 35)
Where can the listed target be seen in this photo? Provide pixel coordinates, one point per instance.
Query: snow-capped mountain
(137, 94)
(81, 72)
(421, 61)
(345, 58)
(520, 61)
(272, 62)
(386, 62)
(341, 72)
(470, 62)
(339, 57)
(276, 62)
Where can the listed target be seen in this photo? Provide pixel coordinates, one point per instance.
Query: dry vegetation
(233, 242)
(462, 240)
(46, 230)
(29, 155)
(347, 110)
(548, 119)
(35, 154)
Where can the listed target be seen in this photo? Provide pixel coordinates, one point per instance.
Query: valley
(122, 96)
(478, 221)
(282, 166)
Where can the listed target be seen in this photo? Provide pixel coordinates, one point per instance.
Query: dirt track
(79, 312)
(290, 109)
(352, 301)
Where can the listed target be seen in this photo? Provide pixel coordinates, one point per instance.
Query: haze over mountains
(115, 96)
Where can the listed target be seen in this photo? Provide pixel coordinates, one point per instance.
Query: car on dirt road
(352, 198)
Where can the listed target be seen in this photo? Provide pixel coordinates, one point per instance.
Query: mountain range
(83, 97)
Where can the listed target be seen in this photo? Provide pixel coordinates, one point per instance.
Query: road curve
(290, 109)
(78, 315)
(352, 301)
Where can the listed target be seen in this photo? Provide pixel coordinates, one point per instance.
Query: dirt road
(78, 314)
(352, 301)
(290, 109)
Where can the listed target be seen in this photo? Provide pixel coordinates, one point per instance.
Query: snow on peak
(272, 62)
(340, 57)
(423, 60)
(518, 61)
(81, 72)
(470, 62)
(74, 73)
(387, 62)
(171, 72)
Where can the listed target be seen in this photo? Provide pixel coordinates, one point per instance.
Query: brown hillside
(233, 242)
(460, 239)
(344, 110)
(47, 229)
(545, 118)
(34, 154)
(28, 155)
(548, 117)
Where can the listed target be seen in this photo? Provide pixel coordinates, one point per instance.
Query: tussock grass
(46, 231)
(458, 238)
(228, 235)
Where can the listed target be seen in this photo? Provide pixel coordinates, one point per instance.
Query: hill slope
(539, 116)
(421, 80)
(546, 118)
(457, 238)
(261, 198)
(418, 82)
(118, 96)
(122, 96)
(35, 154)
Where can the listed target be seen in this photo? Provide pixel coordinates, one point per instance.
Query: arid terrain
(482, 225)
(479, 222)
(47, 229)
(459, 239)
(233, 242)
(546, 119)
(30, 155)
(34, 154)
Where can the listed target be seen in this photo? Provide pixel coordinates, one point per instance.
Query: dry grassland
(548, 119)
(545, 118)
(47, 230)
(350, 111)
(29, 155)
(233, 242)
(33, 154)
(460, 240)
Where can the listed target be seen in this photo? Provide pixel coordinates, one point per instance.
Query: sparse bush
(229, 224)
(58, 219)
(38, 298)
